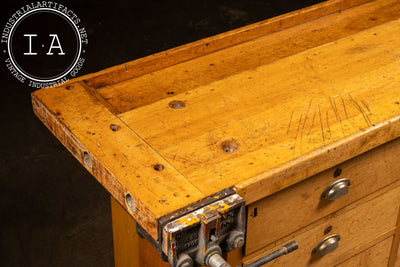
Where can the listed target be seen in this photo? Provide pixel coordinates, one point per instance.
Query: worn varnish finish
(314, 108)
(265, 110)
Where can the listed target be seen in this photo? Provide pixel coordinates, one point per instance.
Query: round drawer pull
(327, 245)
(336, 190)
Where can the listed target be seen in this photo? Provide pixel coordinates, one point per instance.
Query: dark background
(52, 212)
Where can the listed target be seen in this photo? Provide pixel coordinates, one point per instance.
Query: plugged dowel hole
(158, 167)
(176, 104)
(130, 202)
(87, 160)
(115, 127)
(229, 146)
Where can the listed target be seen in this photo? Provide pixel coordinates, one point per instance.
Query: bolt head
(186, 264)
(185, 261)
(238, 242)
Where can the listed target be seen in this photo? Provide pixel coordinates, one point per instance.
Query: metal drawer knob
(336, 190)
(327, 245)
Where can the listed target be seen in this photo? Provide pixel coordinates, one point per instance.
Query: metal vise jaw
(202, 236)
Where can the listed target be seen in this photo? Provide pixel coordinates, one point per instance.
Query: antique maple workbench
(278, 138)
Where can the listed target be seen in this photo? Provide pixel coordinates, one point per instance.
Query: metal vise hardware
(202, 236)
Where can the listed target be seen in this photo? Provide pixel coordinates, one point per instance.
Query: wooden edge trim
(212, 44)
(324, 158)
(142, 214)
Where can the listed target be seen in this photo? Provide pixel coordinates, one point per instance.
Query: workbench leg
(132, 251)
(129, 249)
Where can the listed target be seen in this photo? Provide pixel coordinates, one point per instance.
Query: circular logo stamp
(44, 43)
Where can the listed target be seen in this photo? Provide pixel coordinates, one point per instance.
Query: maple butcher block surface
(252, 111)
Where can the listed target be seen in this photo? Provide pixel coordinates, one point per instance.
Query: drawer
(293, 208)
(359, 228)
(377, 255)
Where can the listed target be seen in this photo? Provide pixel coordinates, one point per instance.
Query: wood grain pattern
(121, 161)
(377, 255)
(262, 252)
(209, 45)
(180, 78)
(302, 201)
(291, 118)
(282, 115)
(360, 228)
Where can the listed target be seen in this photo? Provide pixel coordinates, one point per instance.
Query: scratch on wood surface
(297, 132)
(305, 119)
(365, 105)
(327, 123)
(358, 107)
(322, 127)
(334, 109)
(290, 122)
(345, 112)
(312, 121)
(73, 122)
(304, 124)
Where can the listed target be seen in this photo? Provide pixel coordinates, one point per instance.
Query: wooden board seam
(228, 39)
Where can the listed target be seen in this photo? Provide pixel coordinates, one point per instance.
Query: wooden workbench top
(258, 114)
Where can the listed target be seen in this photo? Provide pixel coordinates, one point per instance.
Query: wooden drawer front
(291, 209)
(359, 228)
(377, 255)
